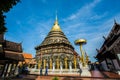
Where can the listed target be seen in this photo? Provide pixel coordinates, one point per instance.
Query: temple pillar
(65, 63)
(12, 70)
(57, 63)
(74, 62)
(39, 64)
(36, 66)
(5, 70)
(44, 63)
(50, 63)
(53, 66)
(8, 71)
(47, 64)
(61, 66)
(70, 65)
(16, 68)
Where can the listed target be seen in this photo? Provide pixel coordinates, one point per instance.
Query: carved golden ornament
(80, 41)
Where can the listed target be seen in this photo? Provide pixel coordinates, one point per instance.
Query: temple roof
(27, 56)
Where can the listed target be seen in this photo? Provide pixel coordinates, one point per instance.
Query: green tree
(5, 6)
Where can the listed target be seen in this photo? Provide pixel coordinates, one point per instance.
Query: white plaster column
(5, 70)
(35, 66)
(16, 69)
(70, 65)
(61, 66)
(8, 71)
(53, 66)
(47, 64)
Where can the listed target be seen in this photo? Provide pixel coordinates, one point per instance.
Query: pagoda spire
(56, 26)
(56, 16)
(56, 20)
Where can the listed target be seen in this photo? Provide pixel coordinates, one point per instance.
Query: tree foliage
(5, 6)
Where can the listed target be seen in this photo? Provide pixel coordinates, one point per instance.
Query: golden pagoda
(56, 51)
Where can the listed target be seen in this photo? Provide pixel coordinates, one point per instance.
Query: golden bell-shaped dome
(56, 26)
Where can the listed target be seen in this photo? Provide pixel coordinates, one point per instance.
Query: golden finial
(56, 19)
(56, 26)
(56, 16)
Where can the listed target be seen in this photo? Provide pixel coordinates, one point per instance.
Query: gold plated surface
(56, 26)
(50, 63)
(74, 62)
(80, 41)
(58, 63)
(44, 63)
(55, 44)
(82, 55)
(66, 63)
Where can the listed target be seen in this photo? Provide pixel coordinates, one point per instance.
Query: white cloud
(97, 17)
(84, 11)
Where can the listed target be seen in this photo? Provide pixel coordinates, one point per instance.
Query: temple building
(56, 51)
(10, 55)
(29, 61)
(109, 53)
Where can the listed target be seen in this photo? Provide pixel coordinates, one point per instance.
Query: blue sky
(30, 21)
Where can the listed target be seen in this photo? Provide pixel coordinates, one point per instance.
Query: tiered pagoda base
(85, 72)
(56, 71)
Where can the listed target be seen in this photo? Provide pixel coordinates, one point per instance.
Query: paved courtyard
(96, 75)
